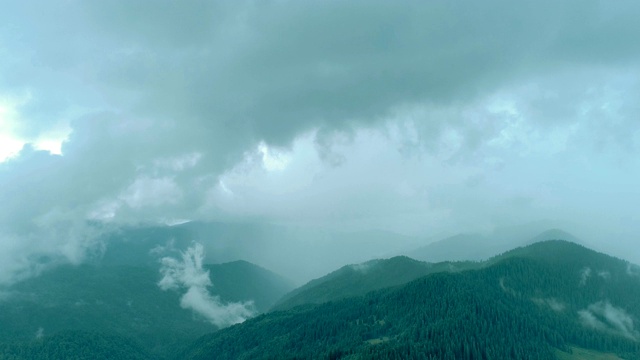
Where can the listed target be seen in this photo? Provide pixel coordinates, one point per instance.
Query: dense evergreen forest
(524, 304)
(75, 345)
(116, 302)
(543, 301)
(356, 280)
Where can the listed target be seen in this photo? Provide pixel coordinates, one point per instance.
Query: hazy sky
(418, 117)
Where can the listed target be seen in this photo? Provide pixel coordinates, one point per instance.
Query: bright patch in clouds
(9, 144)
(273, 160)
(10, 127)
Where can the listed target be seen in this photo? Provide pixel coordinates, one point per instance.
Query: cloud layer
(420, 117)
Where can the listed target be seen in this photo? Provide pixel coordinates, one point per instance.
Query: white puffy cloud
(187, 274)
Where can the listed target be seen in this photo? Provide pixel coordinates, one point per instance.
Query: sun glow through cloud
(273, 160)
(11, 142)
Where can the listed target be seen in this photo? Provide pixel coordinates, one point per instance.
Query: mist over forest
(197, 170)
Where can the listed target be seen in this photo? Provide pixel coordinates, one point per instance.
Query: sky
(415, 117)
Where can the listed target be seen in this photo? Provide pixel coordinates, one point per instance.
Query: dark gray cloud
(272, 69)
(163, 98)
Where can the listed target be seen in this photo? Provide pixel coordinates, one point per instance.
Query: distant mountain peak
(565, 252)
(555, 234)
(548, 247)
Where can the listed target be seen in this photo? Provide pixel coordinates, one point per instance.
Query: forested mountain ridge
(535, 302)
(523, 304)
(240, 281)
(359, 279)
(75, 345)
(123, 302)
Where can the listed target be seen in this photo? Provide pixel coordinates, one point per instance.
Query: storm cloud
(420, 117)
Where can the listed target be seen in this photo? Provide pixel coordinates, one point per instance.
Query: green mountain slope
(240, 281)
(525, 304)
(576, 353)
(125, 301)
(356, 280)
(77, 345)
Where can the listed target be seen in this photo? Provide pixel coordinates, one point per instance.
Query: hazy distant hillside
(242, 281)
(548, 297)
(477, 247)
(554, 234)
(457, 248)
(126, 301)
(355, 280)
(300, 254)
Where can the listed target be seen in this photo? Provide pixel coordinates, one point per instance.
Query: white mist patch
(604, 316)
(55, 239)
(187, 273)
(633, 270)
(40, 333)
(505, 288)
(364, 267)
(604, 274)
(585, 274)
(553, 303)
